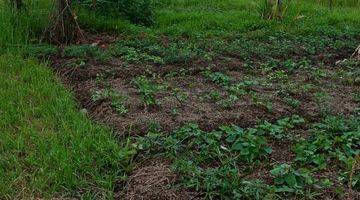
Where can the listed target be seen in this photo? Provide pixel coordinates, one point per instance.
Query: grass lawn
(212, 101)
(48, 148)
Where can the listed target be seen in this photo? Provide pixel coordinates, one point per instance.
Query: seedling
(147, 89)
(117, 100)
(218, 78)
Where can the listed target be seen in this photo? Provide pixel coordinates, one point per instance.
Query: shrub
(137, 11)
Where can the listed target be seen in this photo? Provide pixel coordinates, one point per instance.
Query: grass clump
(48, 148)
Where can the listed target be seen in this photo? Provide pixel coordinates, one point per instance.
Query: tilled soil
(153, 179)
(172, 112)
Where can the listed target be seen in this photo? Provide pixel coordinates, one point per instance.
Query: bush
(137, 11)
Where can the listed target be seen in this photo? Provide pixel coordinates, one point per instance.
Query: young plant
(218, 78)
(323, 99)
(281, 128)
(117, 100)
(147, 89)
(287, 179)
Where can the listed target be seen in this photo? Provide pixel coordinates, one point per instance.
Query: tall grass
(47, 147)
(340, 3)
(18, 28)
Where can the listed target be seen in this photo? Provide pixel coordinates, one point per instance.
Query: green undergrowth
(219, 18)
(48, 148)
(219, 163)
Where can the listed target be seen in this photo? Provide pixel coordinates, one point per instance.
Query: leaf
(268, 150)
(237, 146)
(291, 180)
(284, 189)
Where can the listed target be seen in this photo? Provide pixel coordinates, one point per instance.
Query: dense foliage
(137, 11)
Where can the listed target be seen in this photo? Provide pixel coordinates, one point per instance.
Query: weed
(334, 138)
(86, 51)
(228, 102)
(117, 100)
(292, 102)
(278, 75)
(319, 74)
(287, 179)
(322, 99)
(280, 129)
(180, 95)
(262, 101)
(137, 11)
(356, 97)
(77, 63)
(147, 89)
(41, 51)
(272, 9)
(218, 78)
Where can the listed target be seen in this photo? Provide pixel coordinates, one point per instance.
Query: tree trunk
(331, 4)
(279, 5)
(65, 29)
(356, 54)
(18, 4)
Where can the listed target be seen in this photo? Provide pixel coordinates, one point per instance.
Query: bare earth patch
(155, 180)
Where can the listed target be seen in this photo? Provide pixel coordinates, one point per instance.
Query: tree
(18, 4)
(64, 28)
(356, 54)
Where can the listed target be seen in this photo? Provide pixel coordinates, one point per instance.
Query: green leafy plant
(228, 102)
(208, 161)
(86, 51)
(262, 101)
(322, 99)
(132, 55)
(334, 138)
(278, 75)
(287, 179)
(117, 100)
(242, 88)
(218, 78)
(292, 102)
(281, 128)
(180, 95)
(147, 89)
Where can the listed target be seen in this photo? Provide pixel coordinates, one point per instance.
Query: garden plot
(208, 114)
(135, 97)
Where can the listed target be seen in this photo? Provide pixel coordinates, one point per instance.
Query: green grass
(223, 18)
(20, 28)
(47, 147)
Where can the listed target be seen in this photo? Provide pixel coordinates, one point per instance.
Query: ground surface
(212, 101)
(137, 93)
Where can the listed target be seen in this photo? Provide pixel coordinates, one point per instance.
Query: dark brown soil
(172, 113)
(154, 180)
